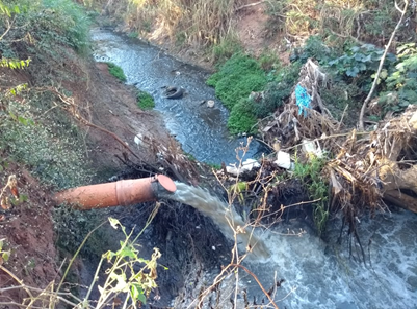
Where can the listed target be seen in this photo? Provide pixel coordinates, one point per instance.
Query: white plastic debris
(138, 139)
(312, 147)
(247, 165)
(283, 160)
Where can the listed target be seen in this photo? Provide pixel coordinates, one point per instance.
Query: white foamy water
(320, 275)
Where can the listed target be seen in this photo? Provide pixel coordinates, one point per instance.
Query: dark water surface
(317, 275)
(202, 131)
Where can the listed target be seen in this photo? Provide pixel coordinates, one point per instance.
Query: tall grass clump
(116, 71)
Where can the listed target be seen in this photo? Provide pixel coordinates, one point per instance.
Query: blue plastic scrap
(302, 100)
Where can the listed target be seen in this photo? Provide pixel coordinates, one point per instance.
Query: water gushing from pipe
(223, 215)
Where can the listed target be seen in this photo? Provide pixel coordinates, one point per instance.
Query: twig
(250, 4)
(17, 279)
(341, 119)
(381, 64)
(76, 254)
(259, 283)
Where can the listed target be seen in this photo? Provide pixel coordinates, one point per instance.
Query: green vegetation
(145, 100)
(402, 82)
(225, 49)
(242, 118)
(116, 71)
(310, 174)
(233, 83)
(242, 75)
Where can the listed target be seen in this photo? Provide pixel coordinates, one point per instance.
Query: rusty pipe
(123, 193)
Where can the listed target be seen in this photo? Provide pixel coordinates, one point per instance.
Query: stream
(202, 131)
(316, 274)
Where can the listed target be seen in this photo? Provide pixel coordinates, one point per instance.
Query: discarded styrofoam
(283, 160)
(138, 139)
(312, 147)
(247, 165)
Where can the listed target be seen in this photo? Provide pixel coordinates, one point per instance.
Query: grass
(145, 100)
(116, 71)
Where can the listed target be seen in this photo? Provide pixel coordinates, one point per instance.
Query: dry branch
(381, 64)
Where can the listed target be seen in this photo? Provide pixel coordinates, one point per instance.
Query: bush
(145, 100)
(278, 90)
(237, 78)
(242, 118)
(402, 83)
(117, 72)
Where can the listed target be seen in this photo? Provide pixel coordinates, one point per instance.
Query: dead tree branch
(381, 64)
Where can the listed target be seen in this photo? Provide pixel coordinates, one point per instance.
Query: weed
(310, 174)
(242, 118)
(269, 60)
(145, 100)
(278, 90)
(224, 50)
(237, 78)
(133, 34)
(116, 71)
(402, 82)
(214, 166)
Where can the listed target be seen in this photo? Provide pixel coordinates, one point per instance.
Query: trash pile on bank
(365, 171)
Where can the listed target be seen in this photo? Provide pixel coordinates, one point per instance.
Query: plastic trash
(302, 100)
(284, 160)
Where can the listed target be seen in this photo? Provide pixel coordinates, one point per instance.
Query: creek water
(316, 274)
(202, 131)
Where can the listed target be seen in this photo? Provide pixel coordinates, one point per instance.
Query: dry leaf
(5, 204)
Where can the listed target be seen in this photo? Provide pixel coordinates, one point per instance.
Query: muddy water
(202, 131)
(319, 275)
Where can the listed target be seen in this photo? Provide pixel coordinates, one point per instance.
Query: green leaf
(367, 58)
(359, 56)
(13, 116)
(136, 291)
(23, 120)
(128, 252)
(353, 72)
(16, 9)
(142, 299)
(6, 256)
(384, 74)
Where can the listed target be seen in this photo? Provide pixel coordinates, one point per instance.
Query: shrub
(278, 90)
(117, 72)
(242, 118)
(145, 100)
(237, 78)
(402, 83)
